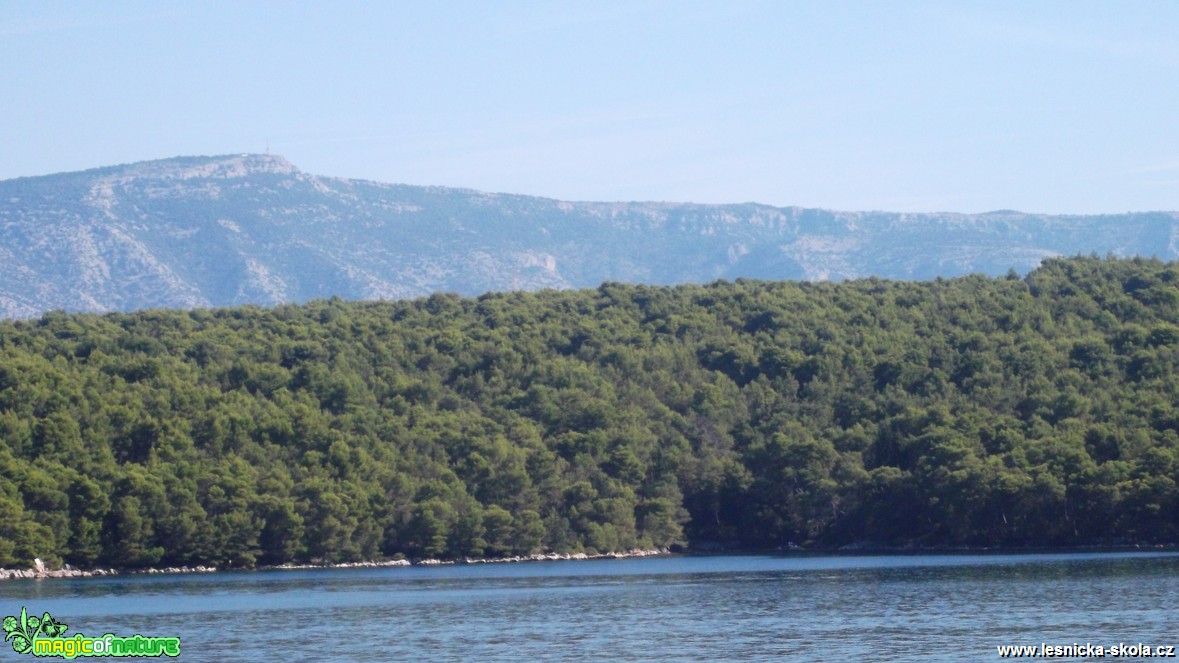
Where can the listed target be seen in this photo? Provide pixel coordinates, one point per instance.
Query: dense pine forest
(1037, 411)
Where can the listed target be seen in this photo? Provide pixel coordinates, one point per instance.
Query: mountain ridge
(254, 229)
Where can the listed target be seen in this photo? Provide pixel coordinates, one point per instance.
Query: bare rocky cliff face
(253, 229)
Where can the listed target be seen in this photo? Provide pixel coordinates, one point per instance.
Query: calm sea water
(739, 608)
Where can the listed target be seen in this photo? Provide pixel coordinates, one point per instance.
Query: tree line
(1036, 411)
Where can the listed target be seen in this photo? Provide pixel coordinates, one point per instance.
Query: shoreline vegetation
(977, 412)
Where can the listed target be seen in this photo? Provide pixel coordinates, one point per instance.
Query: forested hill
(972, 411)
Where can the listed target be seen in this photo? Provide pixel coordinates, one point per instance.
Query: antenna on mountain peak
(267, 146)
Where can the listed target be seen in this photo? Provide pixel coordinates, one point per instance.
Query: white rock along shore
(39, 571)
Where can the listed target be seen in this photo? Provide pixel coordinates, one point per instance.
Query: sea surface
(674, 608)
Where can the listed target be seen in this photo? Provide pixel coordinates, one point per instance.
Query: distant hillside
(216, 231)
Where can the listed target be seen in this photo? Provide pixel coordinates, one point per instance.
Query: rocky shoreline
(64, 572)
(540, 557)
(39, 571)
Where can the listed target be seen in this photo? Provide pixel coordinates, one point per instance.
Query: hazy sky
(1059, 107)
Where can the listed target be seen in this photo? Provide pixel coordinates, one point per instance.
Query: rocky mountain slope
(216, 231)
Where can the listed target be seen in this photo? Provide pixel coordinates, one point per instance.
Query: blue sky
(1055, 107)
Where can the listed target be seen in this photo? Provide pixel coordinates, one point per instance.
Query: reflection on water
(884, 608)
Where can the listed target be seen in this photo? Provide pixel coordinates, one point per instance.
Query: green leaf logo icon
(19, 632)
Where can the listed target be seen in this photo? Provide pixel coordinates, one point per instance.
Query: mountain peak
(214, 167)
